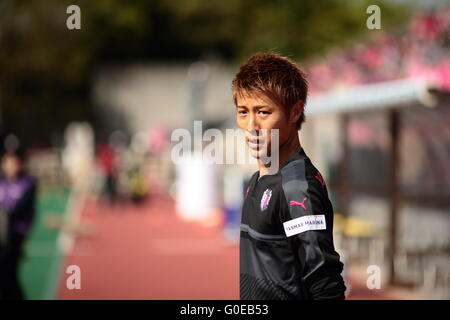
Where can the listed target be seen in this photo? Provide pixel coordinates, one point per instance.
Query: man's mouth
(255, 143)
(254, 146)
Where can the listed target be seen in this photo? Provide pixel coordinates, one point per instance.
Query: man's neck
(286, 151)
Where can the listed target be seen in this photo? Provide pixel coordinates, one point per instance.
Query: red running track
(147, 252)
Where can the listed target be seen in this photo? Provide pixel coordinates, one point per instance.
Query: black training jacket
(286, 238)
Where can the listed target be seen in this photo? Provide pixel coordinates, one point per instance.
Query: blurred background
(95, 109)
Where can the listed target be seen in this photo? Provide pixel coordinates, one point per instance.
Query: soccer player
(286, 241)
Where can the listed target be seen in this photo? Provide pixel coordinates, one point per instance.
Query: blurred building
(155, 94)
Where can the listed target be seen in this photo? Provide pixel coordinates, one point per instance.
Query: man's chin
(259, 155)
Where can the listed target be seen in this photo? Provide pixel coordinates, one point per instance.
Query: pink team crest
(265, 199)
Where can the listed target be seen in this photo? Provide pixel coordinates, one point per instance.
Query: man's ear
(296, 111)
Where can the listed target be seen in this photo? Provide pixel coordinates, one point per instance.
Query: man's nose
(253, 125)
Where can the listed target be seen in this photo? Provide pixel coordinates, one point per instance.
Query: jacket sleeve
(307, 217)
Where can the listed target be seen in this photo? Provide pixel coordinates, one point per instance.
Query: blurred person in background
(138, 185)
(106, 159)
(17, 209)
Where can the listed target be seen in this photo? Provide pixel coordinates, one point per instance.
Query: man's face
(257, 115)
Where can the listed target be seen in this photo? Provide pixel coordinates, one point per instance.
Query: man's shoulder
(300, 178)
(294, 172)
(300, 170)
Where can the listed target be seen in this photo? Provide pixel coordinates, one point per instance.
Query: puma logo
(296, 203)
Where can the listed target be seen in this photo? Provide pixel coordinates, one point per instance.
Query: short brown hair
(275, 76)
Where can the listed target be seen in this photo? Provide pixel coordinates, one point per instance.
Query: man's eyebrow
(257, 107)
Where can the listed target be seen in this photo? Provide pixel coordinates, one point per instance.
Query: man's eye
(242, 112)
(264, 112)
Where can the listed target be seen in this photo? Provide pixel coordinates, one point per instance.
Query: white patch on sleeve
(305, 223)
